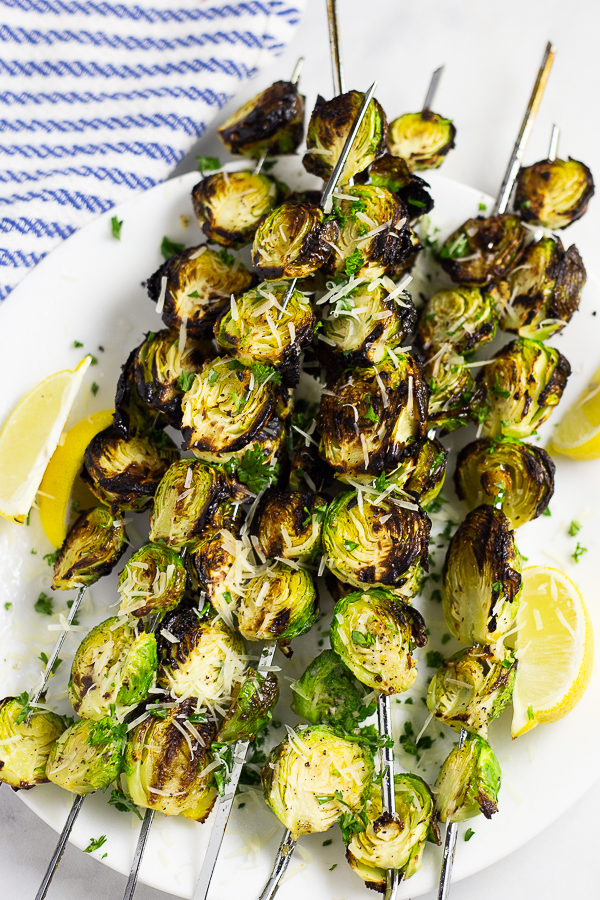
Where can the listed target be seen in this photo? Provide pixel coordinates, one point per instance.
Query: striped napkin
(101, 99)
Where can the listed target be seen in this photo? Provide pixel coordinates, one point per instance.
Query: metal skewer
(60, 847)
(293, 80)
(388, 789)
(432, 89)
(449, 846)
(334, 45)
(554, 139)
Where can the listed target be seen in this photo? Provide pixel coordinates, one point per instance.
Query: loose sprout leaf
(170, 248)
(95, 844)
(44, 605)
(121, 802)
(208, 163)
(116, 225)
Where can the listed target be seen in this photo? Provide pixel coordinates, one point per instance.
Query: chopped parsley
(317, 513)
(51, 557)
(170, 248)
(44, 605)
(469, 834)
(186, 380)
(95, 844)
(208, 163)
(574, 528)
(116, 225)
(547, 511)
(530, 715)
(412, 747)
(327, 842)
(350, 545)
(445, 638)
(226, 257)
(363, 640)
(121, 802)
(435, 659)
(7, 606)
(457, 249)
(253, 470)
(497, 586)
(371, 415)
(498, 390)
(579, 551)
(77, 344)
(354, 263)
(482, 206)
(94, 388)
(44, 659)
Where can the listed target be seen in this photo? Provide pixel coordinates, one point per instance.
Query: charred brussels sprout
(293, 241)
(328, 693)
(279, 605)
(211, 561)
(423, 139)
(164, 763)
(230, 206)
(307, 469)
(374, 635)
(544, 290)
(132, 415)
(554, 193)
(195, 287)
(272, 122)
(87, 756)
(92, 548)
(24, 746)
(468, 782)
(520, 388)
(422, 471)
(393, 173)
(394, 842)
(189, 492)
(370, 544)
(451, 390)
(483, 250)
(113, 666)
(471, 689)
(482, 578)
(161, 365)
(125, 473)
(153, 581)
(314, 777)
(330, 125)
(461, 319)
(517, 475)
(251, 708)
(289, 524)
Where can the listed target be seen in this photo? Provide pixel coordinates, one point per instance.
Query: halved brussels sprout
(113, 666)
(251, 709)
(87, 756)
(211, 561)
(164, 762)
(519, 476)
(472, 688)
(289, 524)
(374, 635)
(196, 286)
(368, 416)
(308, 469)
(132, 415)
(272, 122)
(314, 777)
(230, 206)
(468, 782)
(328, 693)
(153, 581)
(461, 318)
(278, 605)
(544, 290)
(330, 124)
(227, 406)
(124, 473)
(394, 842)
(554, 192)
(384, 544)
(483, 250)
(161, 365)
(294, 241)
(393, 173)
(422, 471)
(189, 492)
(423, 139)
(24, 746)
(520, 388)
(92, 548)
(482, 578)
(451, 389)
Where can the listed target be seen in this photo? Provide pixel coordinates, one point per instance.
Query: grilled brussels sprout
(251, 709)
(163, 765)
(384, 544)
(451, 389)
(393, 173)
(294, 241)
(92, 548)
(422, 139)
(328, 693)
(113, 666)
(227, 406)
(314, 777)
(279, 605)
(554, 192)
(368, 417)
(394, 842)
(461, 318)
(520, 388)
(24, 747)
(125, 473)
(161, 365)
(189, 492)
(230, 206)
(468, 782)
(517, 475)
(471, 689)
(482, 578)
(374, 635)
(153, 581)
(211, 560)
(132, 416)
(87, 756)
(483, 250)
(289, 524)
(422, 471)
(272, 122)
(544, 290)
(308, 469)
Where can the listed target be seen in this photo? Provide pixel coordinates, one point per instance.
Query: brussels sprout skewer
(449, 846)
(432, 89)
(334, 46)
(388, 789)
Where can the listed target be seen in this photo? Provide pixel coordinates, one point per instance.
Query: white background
(492, 51)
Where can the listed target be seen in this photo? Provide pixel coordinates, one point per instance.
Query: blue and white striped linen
(100, 99)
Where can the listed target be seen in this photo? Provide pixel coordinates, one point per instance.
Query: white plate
(89, 290)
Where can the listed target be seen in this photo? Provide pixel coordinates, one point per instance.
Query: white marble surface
(491, 52)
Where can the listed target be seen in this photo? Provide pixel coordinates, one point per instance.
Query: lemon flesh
(578, 432)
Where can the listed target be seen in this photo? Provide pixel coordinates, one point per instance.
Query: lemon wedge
(30, 436)
(555, 649)
(578, 432)
(62, 470)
